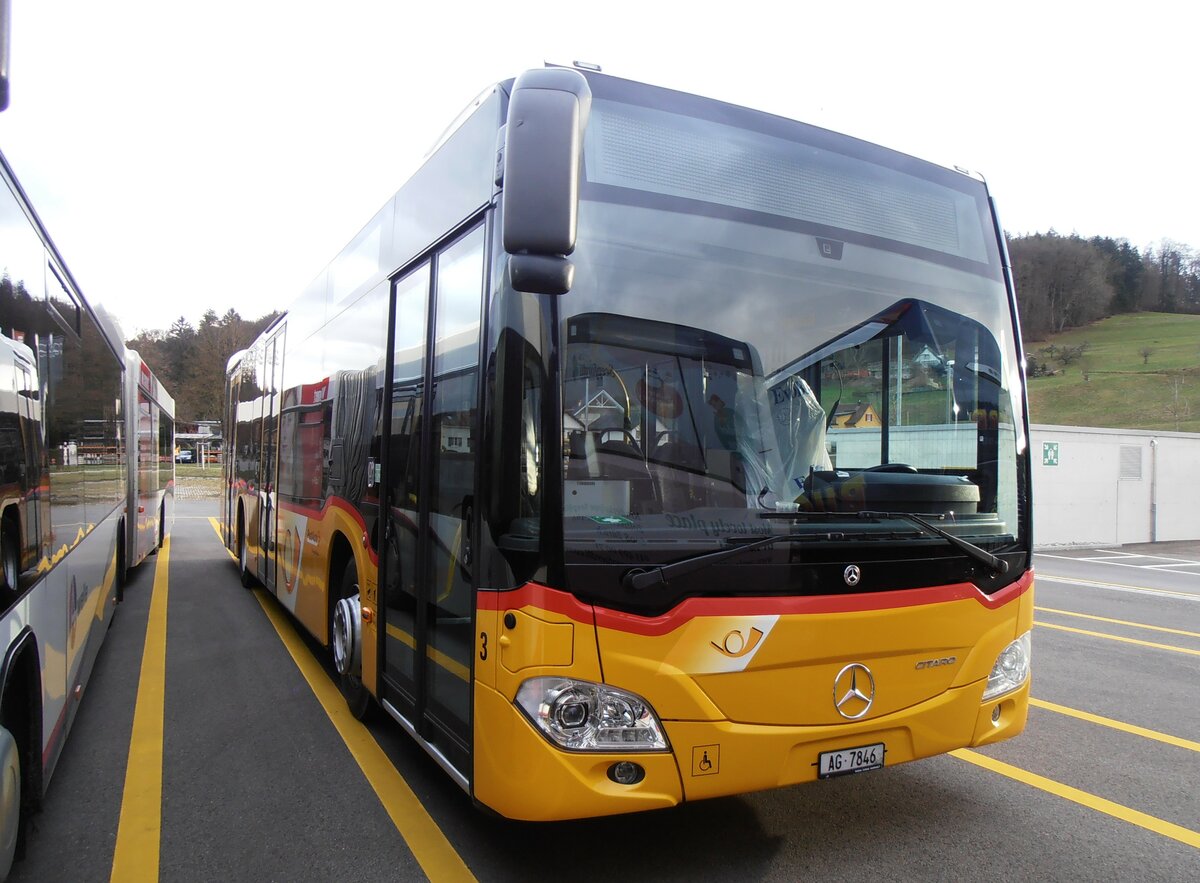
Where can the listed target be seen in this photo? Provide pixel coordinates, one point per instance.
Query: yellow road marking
(1116, 724)
(1136, 625)
(1063, 628)
(438, 859)
(453, 666)
(135, 857)
(1083, 798)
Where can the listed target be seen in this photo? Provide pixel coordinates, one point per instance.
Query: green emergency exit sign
(1049, 453)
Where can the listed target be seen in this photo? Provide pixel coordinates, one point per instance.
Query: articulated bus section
(150, 452)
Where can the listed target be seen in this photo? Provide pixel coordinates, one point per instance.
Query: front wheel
(10, 800)
(122, 576)
(345, 642)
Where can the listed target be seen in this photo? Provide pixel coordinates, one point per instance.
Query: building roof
(853, 413)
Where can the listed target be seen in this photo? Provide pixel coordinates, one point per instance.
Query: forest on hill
(1063, 282)
(190, 362)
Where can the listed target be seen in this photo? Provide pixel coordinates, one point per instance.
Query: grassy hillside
(1114, 384)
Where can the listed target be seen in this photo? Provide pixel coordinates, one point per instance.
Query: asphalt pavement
(260, 780)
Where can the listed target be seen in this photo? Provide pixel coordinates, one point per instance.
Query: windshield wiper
(642, 578)
(999, 565)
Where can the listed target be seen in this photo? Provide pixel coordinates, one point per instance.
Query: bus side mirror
(543, 151)
(5, 41)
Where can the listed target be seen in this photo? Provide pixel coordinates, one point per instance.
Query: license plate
(850, 760)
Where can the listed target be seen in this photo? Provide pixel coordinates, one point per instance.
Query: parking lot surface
(264, 777)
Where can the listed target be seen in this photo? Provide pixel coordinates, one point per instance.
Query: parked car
(184, 457)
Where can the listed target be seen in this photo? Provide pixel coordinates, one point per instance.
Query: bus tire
(345, 644)
(248, 580)
(10, 800)
(10, 565)
(121, 575)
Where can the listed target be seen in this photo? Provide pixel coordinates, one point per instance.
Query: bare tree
(1179, 408)
(1062, 282)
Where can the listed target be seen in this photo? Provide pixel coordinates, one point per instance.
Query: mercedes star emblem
(852, 575)
(853, 691)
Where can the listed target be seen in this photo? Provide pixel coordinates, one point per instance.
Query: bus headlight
(1011, 669)
(582, 716)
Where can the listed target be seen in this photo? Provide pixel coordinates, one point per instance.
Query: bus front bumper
(744, 757)
(520, 775)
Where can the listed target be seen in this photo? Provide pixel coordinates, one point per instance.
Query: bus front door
(434, 434)
(273, 380)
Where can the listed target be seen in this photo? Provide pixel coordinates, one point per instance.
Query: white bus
(150, 460)
(86, 470)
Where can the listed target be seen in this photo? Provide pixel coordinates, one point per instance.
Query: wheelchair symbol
(706, 760)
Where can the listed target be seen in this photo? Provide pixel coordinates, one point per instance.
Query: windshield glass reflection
(716, 370)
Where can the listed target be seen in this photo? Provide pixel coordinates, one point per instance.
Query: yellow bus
(546, 454)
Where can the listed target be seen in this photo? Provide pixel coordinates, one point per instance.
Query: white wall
(1113, 486)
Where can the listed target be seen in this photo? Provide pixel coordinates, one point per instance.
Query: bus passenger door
(272, 382)
(435, 432)
(29, 429)
(404, 454)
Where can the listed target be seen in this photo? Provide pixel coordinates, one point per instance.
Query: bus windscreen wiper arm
(642, 578)
(999, 565)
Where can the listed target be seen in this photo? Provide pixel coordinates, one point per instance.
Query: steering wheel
(893, 467)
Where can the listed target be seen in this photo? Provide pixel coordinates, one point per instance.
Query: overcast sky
(219, 154)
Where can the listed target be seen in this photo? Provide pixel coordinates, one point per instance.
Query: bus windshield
(768, 319)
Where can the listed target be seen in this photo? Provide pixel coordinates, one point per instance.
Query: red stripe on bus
(555, 601)
(540, 597)
(333, 503)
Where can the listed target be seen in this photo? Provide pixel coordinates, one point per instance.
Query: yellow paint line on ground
(1116, 724)
(1083, 798)
(1063, 628)
(438, 859)
(1136, 625)
(139, 832)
